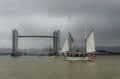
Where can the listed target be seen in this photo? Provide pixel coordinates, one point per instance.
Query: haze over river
(33, 67)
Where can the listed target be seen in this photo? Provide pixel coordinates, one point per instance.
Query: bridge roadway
(35, 36)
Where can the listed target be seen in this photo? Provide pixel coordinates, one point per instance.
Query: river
(33, 67)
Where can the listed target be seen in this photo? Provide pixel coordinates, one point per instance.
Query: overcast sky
(42, 17)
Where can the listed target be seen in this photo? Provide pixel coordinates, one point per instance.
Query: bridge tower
(14, 41)
(56, 42)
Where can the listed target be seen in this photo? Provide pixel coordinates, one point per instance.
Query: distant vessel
(16, 54)
(78, 56)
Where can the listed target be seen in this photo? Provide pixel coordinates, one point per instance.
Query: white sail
(65, 46)
(90, 43)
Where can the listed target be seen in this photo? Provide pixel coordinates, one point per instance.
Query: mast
(85, 38)
(70, 35)
(85, 32)
(70, 42)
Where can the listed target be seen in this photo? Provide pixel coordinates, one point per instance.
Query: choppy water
(104, 67)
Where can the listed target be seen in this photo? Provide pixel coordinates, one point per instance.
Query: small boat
(52, 56)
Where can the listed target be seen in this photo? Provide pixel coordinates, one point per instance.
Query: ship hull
(78, 59)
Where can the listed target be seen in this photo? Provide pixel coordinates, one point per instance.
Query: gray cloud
(45, 16)
(62, 7)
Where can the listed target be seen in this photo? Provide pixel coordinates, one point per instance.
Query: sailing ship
(78, 56)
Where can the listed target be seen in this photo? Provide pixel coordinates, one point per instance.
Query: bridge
(55, 37)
